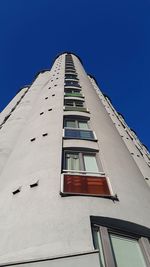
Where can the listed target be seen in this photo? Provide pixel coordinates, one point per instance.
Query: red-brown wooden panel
(83, 184)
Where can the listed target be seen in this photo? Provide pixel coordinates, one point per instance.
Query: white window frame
(83, 172)
(77, 120)
(81, 162)
(74, 103)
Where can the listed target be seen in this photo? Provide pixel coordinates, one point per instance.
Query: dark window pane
(78, 103)
(79, 134)
(71, 76)
(69, 103)
(72, 83)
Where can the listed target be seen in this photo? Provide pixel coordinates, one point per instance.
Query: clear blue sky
(111, 37)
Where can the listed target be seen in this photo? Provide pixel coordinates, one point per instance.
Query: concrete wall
(38, 222)
(85, 260)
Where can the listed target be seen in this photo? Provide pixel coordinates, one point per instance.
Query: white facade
(39, 223)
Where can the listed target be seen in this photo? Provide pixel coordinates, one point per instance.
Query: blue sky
(111, 37)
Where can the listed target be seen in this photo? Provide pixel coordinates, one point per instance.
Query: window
(72, 91)
(72, 161)
(122, 246)
(81, 161)
(127, 251)
(70, 66)
(73, 103)
(69, 63)
(76, 123)
(82, 176)
(71, 76)
(77, 129)
(72, 83)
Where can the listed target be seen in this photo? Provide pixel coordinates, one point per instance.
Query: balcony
(74, 95)
(85, 184)
(72, 133)
(69, 71)
(70, 68)
(71, 108)
(69, 65)
(72, 84)
(71, 77)
(70, 90)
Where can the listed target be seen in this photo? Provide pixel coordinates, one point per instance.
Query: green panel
(76, 109)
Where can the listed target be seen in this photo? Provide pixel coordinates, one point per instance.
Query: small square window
(45, 134)
(33, 139)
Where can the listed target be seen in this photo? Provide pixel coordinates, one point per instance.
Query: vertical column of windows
(82, 172)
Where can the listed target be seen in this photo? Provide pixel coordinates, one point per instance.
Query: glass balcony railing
(71, 133)
(72, 83)
(74, 95)
(71, 77)
(76, 184)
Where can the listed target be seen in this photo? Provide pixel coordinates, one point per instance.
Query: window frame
(98, 175)
(76, 120)
(74, 102)
(72, 82)
(71, 77)
(104, 233)
(81, 161)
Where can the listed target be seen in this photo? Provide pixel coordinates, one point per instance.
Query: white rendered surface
(38, 222)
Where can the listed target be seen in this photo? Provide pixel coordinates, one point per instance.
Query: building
(74, 178)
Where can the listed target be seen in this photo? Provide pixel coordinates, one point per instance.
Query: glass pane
(83, 124)
(69, 103)
(72, 161)
(90, 163)
(127, 252)
(78, 103)
(79, 134)
(86, 135)
(83, 184)
(98, 245)
(72, 133)
(70, 124)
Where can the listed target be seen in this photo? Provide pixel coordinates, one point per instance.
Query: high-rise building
(74, 178)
